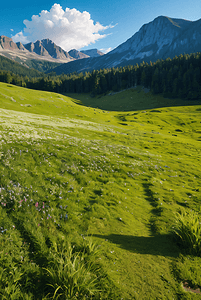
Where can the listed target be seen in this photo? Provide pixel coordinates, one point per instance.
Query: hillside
(16, 68)
(89, 197)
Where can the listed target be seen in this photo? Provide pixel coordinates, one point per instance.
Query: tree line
(179, 77)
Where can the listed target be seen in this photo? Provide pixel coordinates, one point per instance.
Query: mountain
(77, 54)
(159, 39)
(7, 43)
(37, 48)
(162, 38)
(85, 53)
(43, 49)
(93, 52)
(49, 49)
(20, 46)
(41, 54)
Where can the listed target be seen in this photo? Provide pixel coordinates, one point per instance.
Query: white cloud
(19, 37)
(67, 28)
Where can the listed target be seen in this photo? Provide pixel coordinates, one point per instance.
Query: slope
(69, 172)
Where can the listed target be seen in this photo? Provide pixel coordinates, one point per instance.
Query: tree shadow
(127, 104)
(155, 245)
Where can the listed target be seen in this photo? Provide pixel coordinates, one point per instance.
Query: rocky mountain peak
(153, 38)
(37, 48)
(54, 50)
(7, 43)
(20, 46)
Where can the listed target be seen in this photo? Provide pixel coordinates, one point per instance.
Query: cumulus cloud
(67, 28)
(19, 37)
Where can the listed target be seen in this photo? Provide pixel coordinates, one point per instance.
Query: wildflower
(36, 205)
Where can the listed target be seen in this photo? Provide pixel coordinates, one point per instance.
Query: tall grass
(74, 275)
(188, 231)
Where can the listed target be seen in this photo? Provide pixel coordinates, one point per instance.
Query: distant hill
(93, 52)
(77, 54)
(162, 38)
(16, 68)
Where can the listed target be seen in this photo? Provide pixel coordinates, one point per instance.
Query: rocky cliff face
(153, 38)
(37, 48)
(54, 50)
(49, 49)
(189, 40)
(7, 43)
(21, 46)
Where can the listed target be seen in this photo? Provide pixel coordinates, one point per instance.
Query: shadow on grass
(149, 194)
(124, 102)
(155, 245)
(35, 251)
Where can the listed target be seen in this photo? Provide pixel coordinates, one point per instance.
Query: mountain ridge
(41, 50)
(159, 39)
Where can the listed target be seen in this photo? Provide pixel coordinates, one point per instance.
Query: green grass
(188, 231)
(129, 100)
(73, 176)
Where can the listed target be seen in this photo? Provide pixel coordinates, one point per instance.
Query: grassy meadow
(95, 196)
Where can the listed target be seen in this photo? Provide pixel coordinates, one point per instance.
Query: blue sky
(87, 24)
